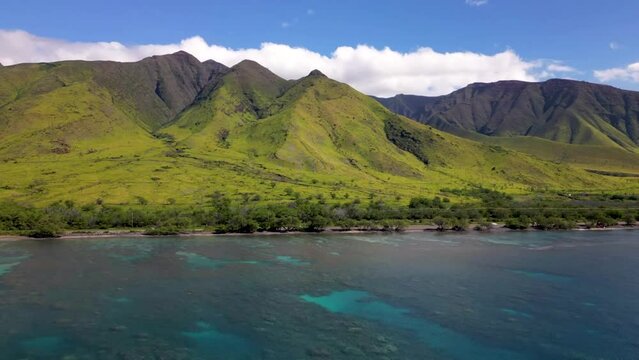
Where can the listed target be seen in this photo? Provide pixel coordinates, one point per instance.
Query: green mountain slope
(600, 122)
(172, 129)
(560, 110)
(55, 107)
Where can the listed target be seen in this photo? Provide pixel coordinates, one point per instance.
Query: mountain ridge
(172, 126)
(561, 110)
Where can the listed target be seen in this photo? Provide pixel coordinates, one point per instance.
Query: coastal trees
(223, 213)
(441, 223)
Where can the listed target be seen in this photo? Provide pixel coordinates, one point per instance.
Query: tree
(629, 219)
(442, 224)
(222, 137)
(459, 224)
(46, 227)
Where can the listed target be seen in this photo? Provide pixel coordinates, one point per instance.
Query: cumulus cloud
(628, 73)
(559, 67)
(476, 2)
(381, 72)
(548, 68)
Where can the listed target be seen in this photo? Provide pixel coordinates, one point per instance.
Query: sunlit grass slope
(66, 133)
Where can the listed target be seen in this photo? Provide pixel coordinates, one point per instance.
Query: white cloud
(382, 72)
(285, 24)
(310, 12)
(614, 45)
(476, 2)
(559, 67)
(628, 73)
(547, 68)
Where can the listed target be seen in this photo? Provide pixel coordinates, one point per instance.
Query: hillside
(172, 129)
(601, 122)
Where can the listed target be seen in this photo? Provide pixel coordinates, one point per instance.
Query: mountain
(601, 121)
(44, 106)
(174, 129)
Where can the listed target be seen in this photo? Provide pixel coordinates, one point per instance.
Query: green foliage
(599, 219)
(405, 139)
(423, 202)
(442, 223)
(168, 138)
(519, 112)
(151, 130)
(483, 226)
(397, 225)
(553, 223)
(170, 144)
(490, 198)
(49, 225)
(162, 231)
(222, 214)
(459, 224)
(517, 223)
(239, 223)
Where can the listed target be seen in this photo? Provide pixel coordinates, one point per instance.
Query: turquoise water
(540, 275)
(8, 262)
(291, 260)
(200, 261)
(529, 295)
(450, 342)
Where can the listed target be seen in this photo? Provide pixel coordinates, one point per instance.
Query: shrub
(483, 226)
(162, 230)
(45, 230)
(459, 225)
(346, 224)
(241, 224)
(43, 233)
(517, 223)
(317, 223)
(393, 225)
(599, 221)
(442, 224)
(554, 223)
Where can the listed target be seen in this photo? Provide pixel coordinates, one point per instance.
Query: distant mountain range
(171, 128)
(562, 112)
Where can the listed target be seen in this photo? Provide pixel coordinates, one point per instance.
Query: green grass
(311, 138)
(583, 156)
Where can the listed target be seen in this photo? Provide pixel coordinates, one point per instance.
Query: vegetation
(536, 118)
(558, 110)
(405, 140)
(139, 134)
(220, 214)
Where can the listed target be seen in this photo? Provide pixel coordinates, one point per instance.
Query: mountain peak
(252, 71)
(181, 55)
(316, 73)
(248, 65)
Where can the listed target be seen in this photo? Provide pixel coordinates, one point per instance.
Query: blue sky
(586, 35)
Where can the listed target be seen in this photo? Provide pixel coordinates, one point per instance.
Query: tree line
(221, 214)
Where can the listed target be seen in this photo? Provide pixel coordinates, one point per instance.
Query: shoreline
(114, 233)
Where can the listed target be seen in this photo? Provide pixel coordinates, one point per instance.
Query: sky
(426, 47)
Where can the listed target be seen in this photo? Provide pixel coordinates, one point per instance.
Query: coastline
(114, 233)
